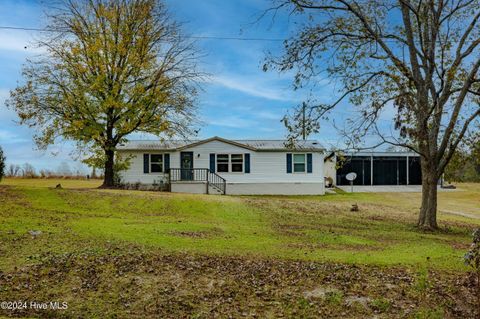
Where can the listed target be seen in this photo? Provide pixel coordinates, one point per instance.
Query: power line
(207, 37)
(199, 37)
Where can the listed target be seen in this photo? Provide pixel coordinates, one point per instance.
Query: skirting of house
(253, 188)
(190, 187)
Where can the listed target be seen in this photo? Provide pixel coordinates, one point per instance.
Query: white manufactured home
(221, 166)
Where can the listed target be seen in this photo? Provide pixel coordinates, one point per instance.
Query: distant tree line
(465, 164)
(27, 170)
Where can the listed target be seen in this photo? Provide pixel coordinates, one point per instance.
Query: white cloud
(269, 115)
(232, 121)
(4, 94)
(8, 137)
(18, 41)
(6, 115)
(251, 85)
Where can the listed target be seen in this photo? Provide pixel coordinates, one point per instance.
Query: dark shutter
(289, 163)
(247, 163)
(309, 162)
(212, 163)
(146, 163)
(166, 159)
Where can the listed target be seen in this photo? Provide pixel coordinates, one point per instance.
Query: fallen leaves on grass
(128, 282)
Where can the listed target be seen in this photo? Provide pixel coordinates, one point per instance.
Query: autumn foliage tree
(420, 58)
(111, 68)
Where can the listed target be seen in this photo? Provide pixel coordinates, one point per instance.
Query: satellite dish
(351, 176)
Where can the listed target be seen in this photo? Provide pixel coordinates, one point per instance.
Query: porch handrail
(217, 181)
(197, 175)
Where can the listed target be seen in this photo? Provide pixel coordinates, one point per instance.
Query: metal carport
(381, 168)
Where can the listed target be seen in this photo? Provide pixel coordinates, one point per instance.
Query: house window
(230, 163)
(299, 163)
(222, 163)
(156, 163)
(237, 163)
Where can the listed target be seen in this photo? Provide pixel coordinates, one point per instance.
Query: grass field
(302, 255)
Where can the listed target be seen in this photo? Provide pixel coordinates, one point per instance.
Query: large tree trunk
(428, 212)
(108, 179)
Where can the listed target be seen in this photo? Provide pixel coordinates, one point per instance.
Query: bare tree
(10, 171)
(64, 169)
(13, 170)
(28, 171)
(112, 67)
(420, 57)
(2, 164)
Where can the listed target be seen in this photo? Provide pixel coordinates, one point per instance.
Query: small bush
(427, 313)
(381, 304)
(143, 187)
(334, 297)
(422, 283)
(472, 259)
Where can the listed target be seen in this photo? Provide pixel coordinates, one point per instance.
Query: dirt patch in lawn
(6, 194)
(312, 247)
(199, 234)
(463, 214)
(128, 282)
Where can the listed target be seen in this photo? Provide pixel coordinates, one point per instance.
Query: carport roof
(381, 153)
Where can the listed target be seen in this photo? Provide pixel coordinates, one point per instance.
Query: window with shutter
(156, 163)
(212, 162)
(309, 162)
(146, 163)
(166, 160)
(247, 163)
(237, 163)
(222, 163)
(289, 163)
(299, 163)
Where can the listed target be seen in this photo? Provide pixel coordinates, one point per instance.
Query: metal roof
(281, 144)
(254, 145)
(154, 145)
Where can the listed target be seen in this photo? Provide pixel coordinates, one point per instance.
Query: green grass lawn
(319, 228)
(80, 220)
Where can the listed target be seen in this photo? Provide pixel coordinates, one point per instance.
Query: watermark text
(36, 305)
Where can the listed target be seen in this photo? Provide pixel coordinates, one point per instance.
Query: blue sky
(239, 101)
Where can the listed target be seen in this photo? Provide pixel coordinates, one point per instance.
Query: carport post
(371, 170)
(398, 173)
(408, 173)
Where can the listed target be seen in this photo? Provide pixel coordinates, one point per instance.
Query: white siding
(135, 172)
(265, 167)
(330, 169)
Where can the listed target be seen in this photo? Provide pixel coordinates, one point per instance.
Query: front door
(186, 162)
